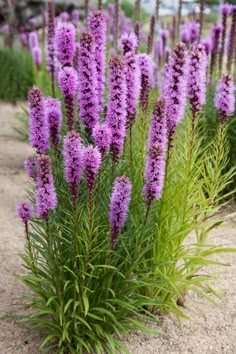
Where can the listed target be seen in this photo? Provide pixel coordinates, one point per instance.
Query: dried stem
(117, 8)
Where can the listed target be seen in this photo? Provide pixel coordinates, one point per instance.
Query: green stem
(130, 146)
(54, 268)
(52, 83)
(30, 248)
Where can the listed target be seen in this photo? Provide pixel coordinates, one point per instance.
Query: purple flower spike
(128, 43)
(54, 118)
(75, 17)
(119, 206)
(98, 28)
(151, 35)
(225, 11)
(88, 100)
(24, 39)
(224, 99)
(197, 79)
(145, 65)
(215, 41)
(64, 16)
(68, 83)
(175, 91)
(51, 38)
(37, 56)
(164, 36)
(91, 164)
(65, 42)
(33, 39)
(232, 39)
(102, 137)
(133, 86)
(30, 166)
(73, 162)
(116, 111)
(154, 174)
(24, 212)
(158, 127)
(194, 32)
(38, 125)
(45, 195)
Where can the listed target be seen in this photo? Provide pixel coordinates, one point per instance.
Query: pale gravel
(212, 328)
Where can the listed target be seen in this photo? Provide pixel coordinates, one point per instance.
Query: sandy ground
(212, 328)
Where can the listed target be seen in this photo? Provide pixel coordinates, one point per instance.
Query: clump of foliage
(117, 195)
(17, 76)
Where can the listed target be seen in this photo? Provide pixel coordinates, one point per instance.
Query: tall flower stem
(202, 7)
(30, 247)
(158, 3)
(117, 11)
(53, 264)
(130, 146)
(147, 213)
(179, 17)
(86, 11)
(90, 235)
(100, 5)
(137, 10)
(53, 83)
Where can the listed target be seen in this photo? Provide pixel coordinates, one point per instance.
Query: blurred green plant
(16, 72)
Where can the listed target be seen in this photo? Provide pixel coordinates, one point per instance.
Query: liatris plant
(33, 40)
(116, 110)
(51, 43)
(201, 19)
(154, 175)
(164, 35)
(215, 41)
(133, 86)
(99, 5)
(225, 11)
(37, 57)
(75, 17)
(30, 166)
(232, 39)
(64, 16)
(173, 30)
(46, 199)
(25, 212)
(128, 43)
(224, 99)
(155, 162)
(91, 165)
(145, 64)
(98, 266)
(87, 94)
(197, 80)
(54, 118)
(119, 205)
(65, 43)
(73, 161)
(194, 32)
(39, 130)
(176, 87)
(117, 20)
(68, 83)
(151, 35)
(102, 137)
(98, 28)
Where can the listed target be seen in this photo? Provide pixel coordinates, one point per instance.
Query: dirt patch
(212, 328)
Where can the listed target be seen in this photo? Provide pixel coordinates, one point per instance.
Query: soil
(212, 328)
